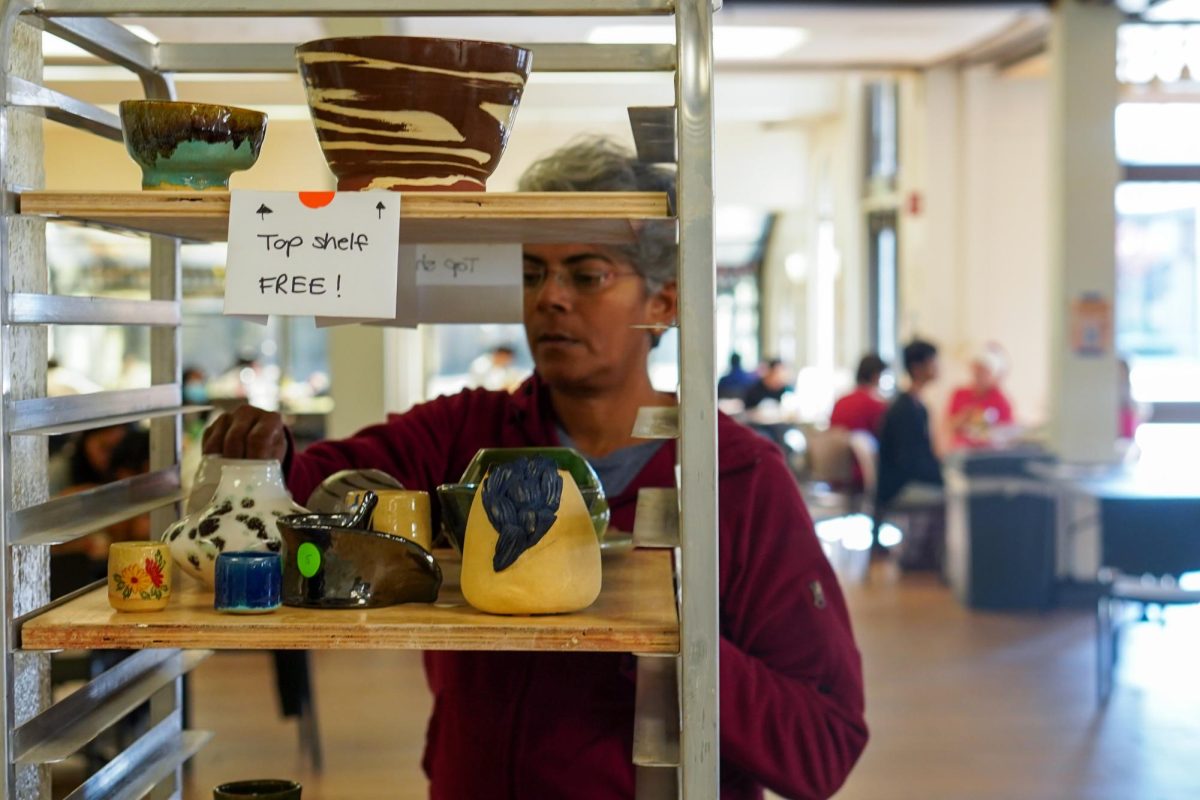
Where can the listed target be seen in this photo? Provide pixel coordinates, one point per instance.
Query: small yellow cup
(139, 576)
(400, 512)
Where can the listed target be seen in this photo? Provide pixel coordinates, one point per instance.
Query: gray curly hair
(598, 164)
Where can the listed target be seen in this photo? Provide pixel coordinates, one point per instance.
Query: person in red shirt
(516, 725)
(863, 408)
(975, 411)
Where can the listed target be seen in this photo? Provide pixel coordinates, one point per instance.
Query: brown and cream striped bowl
(412, 114)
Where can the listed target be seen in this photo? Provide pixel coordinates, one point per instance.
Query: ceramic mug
(263, 789)
(139, 576)
(247, 582)
(400, 512)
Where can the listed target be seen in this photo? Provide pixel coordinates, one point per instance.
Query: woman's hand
(247, 432)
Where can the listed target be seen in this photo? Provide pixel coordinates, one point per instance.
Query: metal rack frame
(677, 731)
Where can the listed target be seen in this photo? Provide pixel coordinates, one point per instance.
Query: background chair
(828, 484)
(1147, 544)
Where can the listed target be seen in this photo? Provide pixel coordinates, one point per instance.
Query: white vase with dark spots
(240, 517)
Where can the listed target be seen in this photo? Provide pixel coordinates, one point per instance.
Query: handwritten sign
(468, 265)
(313, 253)
(463, 283)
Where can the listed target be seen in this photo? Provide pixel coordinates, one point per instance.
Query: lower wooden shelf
(635, 613)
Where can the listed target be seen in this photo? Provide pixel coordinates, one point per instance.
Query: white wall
(975, 260)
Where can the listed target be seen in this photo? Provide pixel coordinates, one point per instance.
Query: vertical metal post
(165, 433)
(26, 570)
(699, 634)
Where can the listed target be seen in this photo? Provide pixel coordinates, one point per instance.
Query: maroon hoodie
(518, 725)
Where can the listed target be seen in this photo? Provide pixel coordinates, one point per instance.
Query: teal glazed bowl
(455, 499)
(190, 146)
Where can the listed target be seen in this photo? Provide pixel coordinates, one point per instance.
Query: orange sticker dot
(316, 199)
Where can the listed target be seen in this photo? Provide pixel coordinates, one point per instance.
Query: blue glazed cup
(248, 583)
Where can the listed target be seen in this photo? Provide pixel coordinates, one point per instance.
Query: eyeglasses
(582, 279)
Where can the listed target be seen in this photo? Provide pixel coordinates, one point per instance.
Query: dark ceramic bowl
(263, 789)
(330, 495)
(455, 499)
(330, 561)
(196, 146)
(412, 114)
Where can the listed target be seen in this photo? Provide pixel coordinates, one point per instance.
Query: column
(1083, 406)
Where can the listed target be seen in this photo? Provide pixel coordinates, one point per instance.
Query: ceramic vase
(240, 517)
(531, 547)
(139, 576)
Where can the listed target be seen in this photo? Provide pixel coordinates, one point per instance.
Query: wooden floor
(962, 706)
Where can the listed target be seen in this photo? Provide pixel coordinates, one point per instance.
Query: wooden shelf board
(635, 613)
(427, 218)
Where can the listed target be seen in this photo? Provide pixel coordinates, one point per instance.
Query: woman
(977, 410)
(550, 725)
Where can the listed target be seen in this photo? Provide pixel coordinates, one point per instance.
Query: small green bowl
(190, 146)
(455, 499)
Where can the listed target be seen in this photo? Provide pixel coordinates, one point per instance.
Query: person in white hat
(976, 410)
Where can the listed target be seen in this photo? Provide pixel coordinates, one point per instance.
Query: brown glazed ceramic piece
(410, 113)
(190, 146)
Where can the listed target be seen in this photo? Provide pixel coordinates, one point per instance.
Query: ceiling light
(730, 42)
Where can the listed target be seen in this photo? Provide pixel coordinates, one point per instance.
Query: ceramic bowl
(455, 498)
(330, 497)
(262, 789)
(410, 113)
(197, 146)
(331, 561)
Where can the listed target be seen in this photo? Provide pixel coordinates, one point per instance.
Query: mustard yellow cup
(139, 576)
(400, 512)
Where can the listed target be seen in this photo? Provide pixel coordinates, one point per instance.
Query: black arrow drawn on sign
(380, 208)
(263, 211)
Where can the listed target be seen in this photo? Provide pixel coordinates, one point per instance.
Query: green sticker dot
(308, 559)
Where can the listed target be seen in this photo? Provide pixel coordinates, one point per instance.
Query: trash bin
(1000, 531)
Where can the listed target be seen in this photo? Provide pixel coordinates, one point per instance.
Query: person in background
(95, 457)
(863, 408)
(554, 725)
(976, 410)
(909, 471)
(495, 370)
(772, 384)
(1128, 416)
(734, 383)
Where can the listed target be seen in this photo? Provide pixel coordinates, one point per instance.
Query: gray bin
(1000, 532)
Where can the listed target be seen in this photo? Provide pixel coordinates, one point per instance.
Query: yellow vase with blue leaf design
(530, 546)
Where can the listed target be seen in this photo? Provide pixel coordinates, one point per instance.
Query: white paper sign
(313, 254)
(468, 283)
(468, 265)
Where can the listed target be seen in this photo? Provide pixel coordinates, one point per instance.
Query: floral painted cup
(139, 576)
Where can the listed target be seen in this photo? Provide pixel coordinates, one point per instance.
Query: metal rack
(676, 731)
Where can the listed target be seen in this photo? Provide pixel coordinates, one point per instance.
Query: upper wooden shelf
(635, 613)
(425, 217)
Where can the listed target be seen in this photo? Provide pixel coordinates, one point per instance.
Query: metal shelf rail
(677, 726)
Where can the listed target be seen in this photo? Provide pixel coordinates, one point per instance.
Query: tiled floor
(962, 705)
